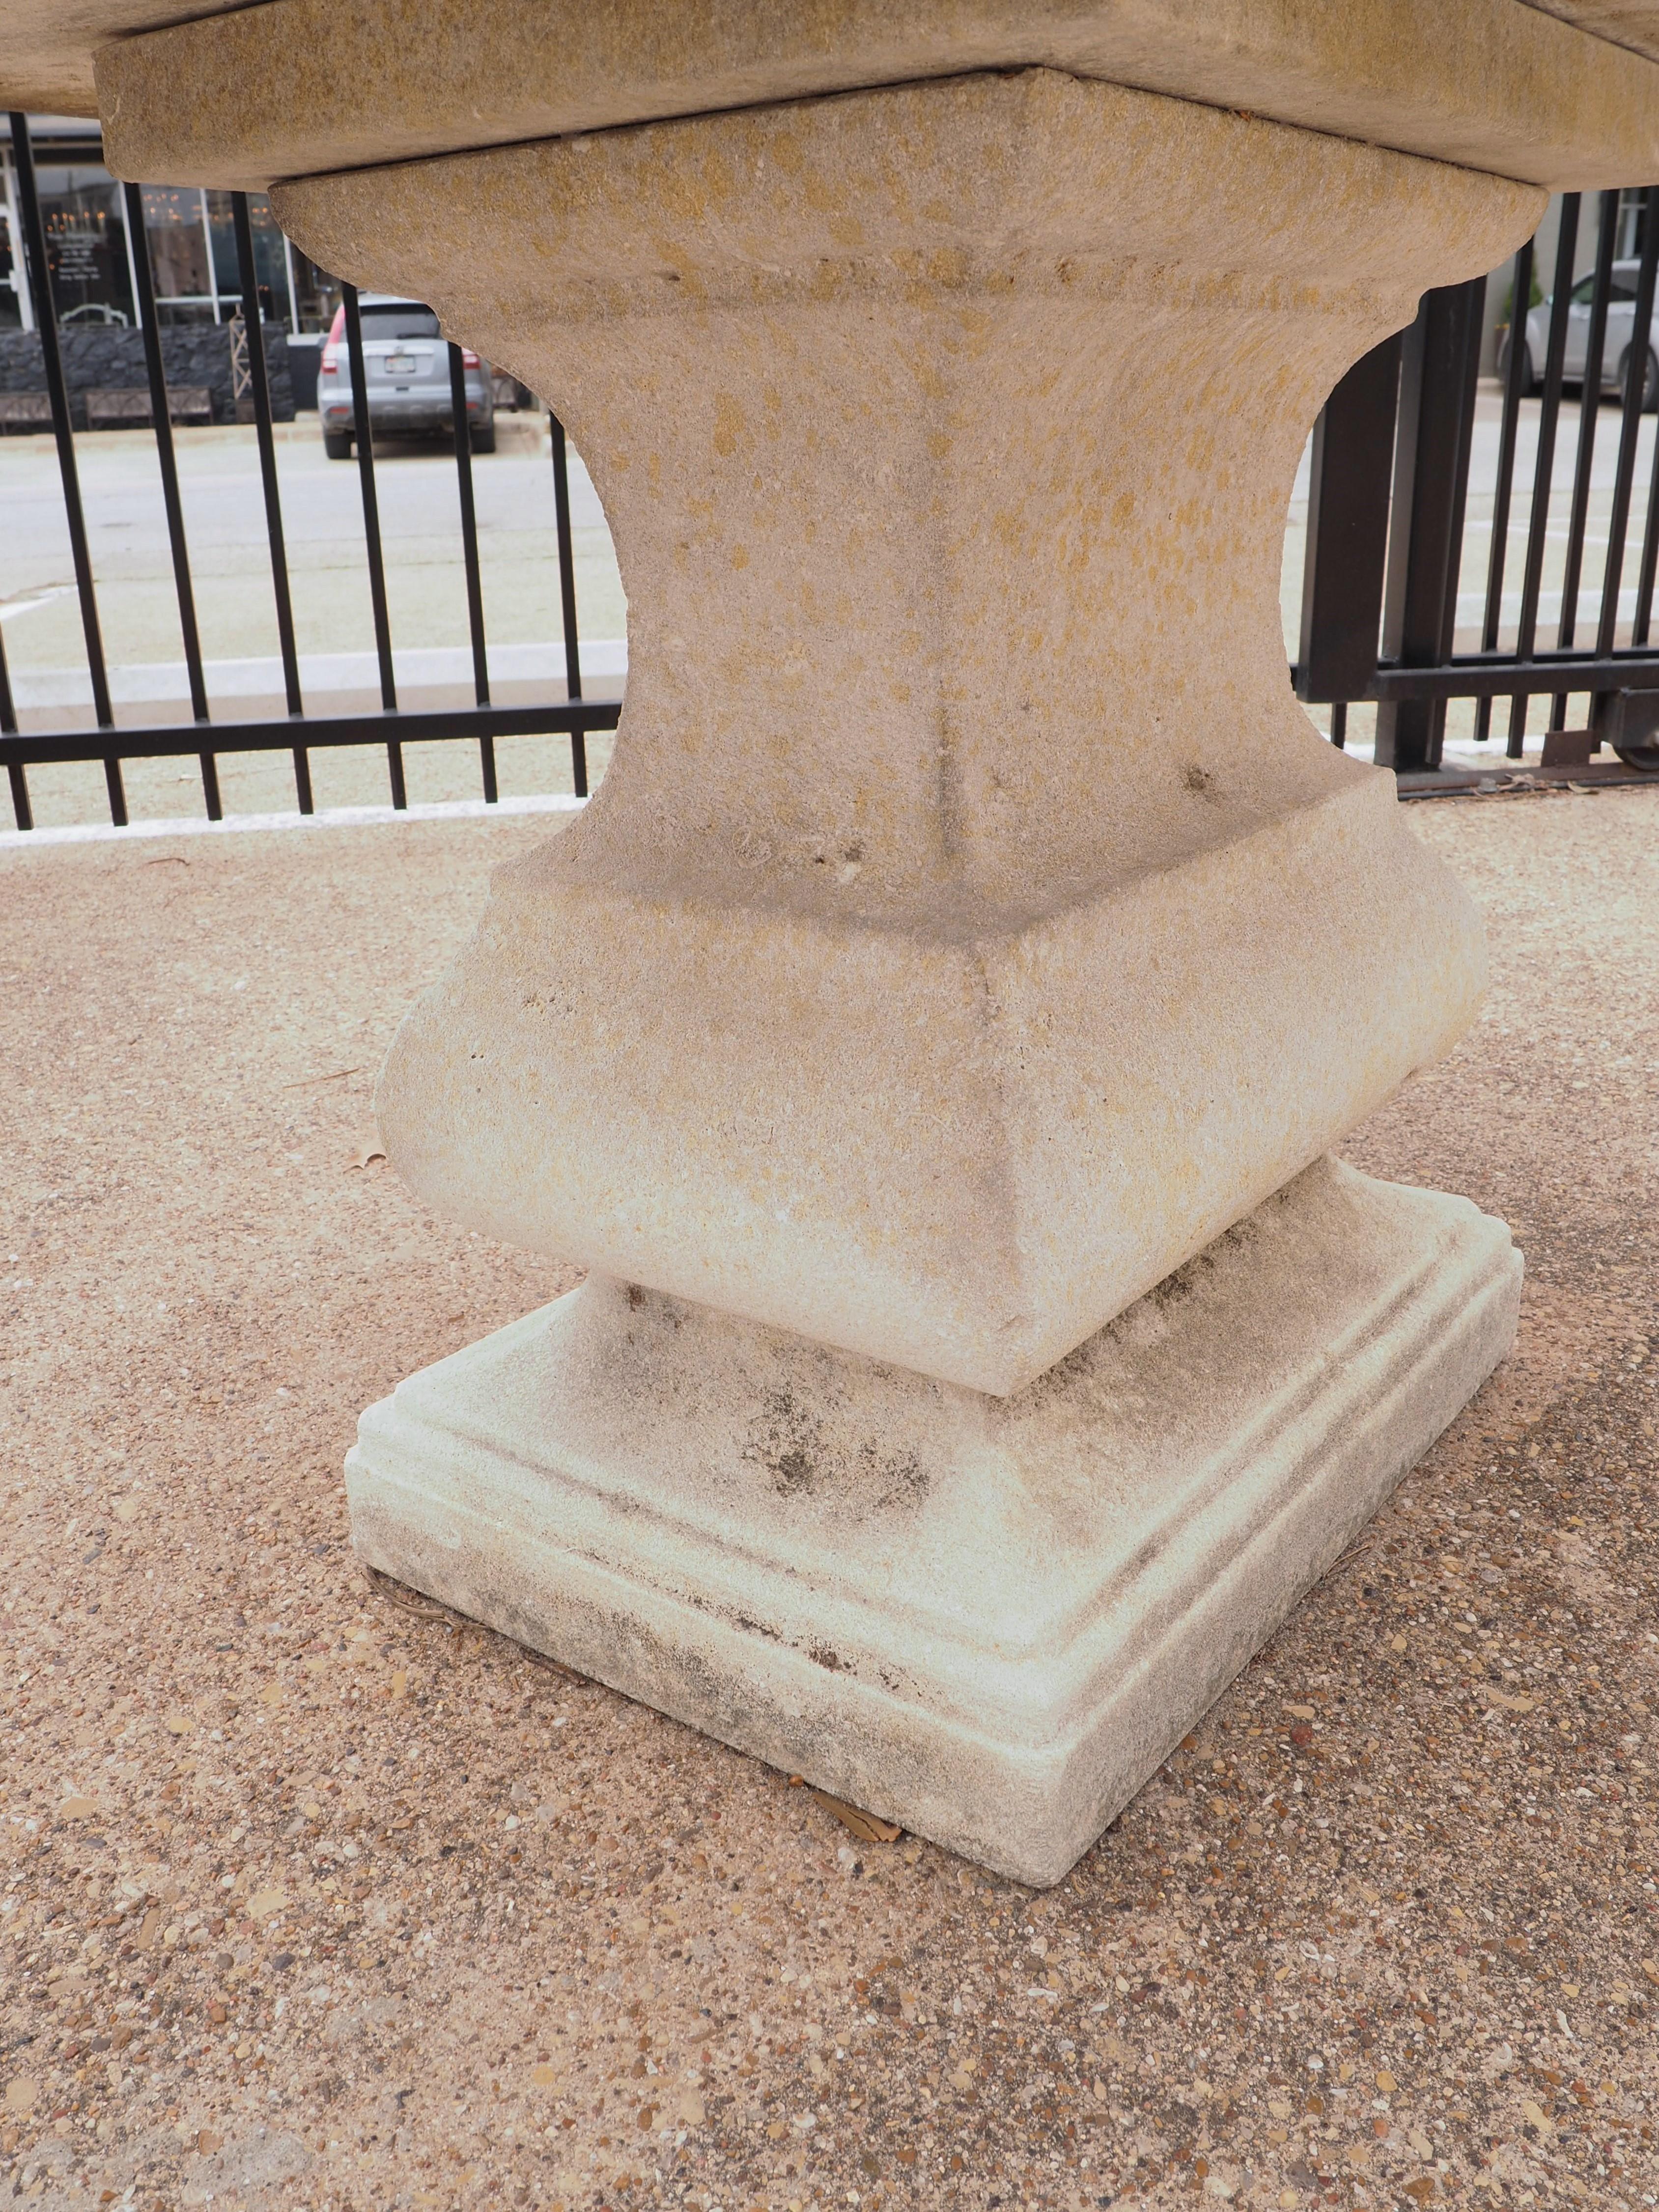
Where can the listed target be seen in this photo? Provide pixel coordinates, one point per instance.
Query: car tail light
(330, 365)
(469, 358)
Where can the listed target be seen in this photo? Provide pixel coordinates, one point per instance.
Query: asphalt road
(322, 516)
(420, 520)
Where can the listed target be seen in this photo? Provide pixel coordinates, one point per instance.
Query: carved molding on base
(987, 1619)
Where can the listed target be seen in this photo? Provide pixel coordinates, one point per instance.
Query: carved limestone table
(933, 1035)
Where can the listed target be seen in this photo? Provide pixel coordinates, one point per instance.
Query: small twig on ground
(551, 1666)
(428, 1609)
(409, 1601)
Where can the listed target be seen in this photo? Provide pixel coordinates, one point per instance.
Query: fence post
(1438, 368)
(1348, 482)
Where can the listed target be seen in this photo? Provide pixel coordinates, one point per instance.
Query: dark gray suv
(406, 369)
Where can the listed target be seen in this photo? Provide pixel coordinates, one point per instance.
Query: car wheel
(1529, 375)
(1643, 758)
(1651, 385)
(336, 444)
(483, 438)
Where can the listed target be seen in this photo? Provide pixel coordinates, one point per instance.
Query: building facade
(187, 236)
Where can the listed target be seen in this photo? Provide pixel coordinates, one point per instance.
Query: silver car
(406, 369)
(1616, 347)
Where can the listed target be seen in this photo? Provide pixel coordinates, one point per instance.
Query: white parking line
(333, 818)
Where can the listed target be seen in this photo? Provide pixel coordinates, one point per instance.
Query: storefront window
(316, 294)
(11, 304)
(193, 256)
(177, 255)
(86, 243)
(190, 240)
(223, 237)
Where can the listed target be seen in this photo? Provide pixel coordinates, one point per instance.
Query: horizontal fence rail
(297, 732)
(1389, 537)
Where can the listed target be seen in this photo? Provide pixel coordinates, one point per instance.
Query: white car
(1616, 347)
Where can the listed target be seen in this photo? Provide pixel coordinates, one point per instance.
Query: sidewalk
(308, 1899)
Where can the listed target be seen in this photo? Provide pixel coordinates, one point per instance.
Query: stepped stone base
(988, 1618)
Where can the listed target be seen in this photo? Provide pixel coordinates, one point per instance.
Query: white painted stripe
(150, 682)
(333, 818)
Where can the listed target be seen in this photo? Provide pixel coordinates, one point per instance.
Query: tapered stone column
(972, 927)
(933, 1035)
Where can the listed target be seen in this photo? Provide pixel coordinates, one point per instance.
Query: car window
(399, 321)
(1620, 287)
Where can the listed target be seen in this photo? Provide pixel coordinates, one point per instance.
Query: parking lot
(322, 513)
(421, 531)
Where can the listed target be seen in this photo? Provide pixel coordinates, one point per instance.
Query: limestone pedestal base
(988, 1618)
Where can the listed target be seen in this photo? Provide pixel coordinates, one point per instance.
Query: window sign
(86, 243)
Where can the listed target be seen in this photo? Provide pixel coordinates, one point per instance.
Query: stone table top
(1566, 96)
(1632, 23)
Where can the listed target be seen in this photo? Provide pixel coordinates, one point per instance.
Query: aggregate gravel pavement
(313, 1895)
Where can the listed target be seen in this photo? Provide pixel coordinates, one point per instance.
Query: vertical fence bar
(475, 621)
(160, 416)
(254, 323)
(353, 322)
(22, 812)
(1589, 405)
(1641, 629)
(573, 665)
(1544, 466)
(1438, 377)
(39, 273)
(1498, 550)
(1636, 379)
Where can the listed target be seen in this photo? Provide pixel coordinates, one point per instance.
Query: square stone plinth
(988, 1618)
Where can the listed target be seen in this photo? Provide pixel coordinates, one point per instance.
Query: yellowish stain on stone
(728, 424)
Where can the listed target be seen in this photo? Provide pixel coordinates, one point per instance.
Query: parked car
(1618, 347)
(406, 369)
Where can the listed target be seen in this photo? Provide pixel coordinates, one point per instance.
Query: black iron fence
(1389, 537)
(297, 732)
(1389, 540)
